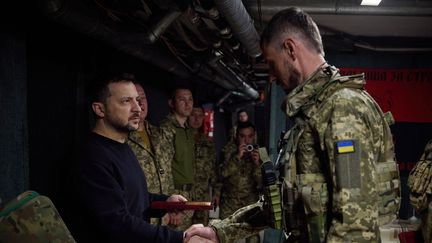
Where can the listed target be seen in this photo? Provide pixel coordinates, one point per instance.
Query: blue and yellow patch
(345, 146)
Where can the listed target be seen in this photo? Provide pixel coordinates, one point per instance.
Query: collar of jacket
(171, 118)
(136, 137)
(308, 90)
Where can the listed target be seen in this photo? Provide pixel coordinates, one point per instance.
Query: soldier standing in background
(145, 142)
(242, 116)
(339, 177)
(180, 149)
(240, 173)
(420, 184)
(205, 165)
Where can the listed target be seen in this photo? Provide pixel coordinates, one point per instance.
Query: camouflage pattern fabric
(243, 223)
(154, 163)
(344, 140)
(241, 181)
(341, 113)
(206, 176)
(420, 180)
(32, 218)
(167, 138)
(232, 134)
(156, 168)
(420, 184)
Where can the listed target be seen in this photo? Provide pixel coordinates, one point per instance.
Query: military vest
(420, 179)
(293, 183)
(420, 184)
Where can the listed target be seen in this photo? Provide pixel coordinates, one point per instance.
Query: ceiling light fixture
(370, 2)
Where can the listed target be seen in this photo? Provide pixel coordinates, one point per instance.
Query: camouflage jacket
(343, 137)
(154, 164)
(241, 181)
(206, 176)
(205, 164)
(420, 184)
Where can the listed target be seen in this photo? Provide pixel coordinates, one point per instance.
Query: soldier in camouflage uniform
(147, 146)
(205, 164)
(420, 184)
(242, 116)
(240, 173)
(340, 181)
(180, 146)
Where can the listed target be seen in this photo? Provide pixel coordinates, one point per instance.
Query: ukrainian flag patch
(345, 146)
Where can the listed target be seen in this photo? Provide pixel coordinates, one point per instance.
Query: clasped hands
(197, 233)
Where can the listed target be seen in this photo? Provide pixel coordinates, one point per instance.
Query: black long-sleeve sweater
(112, 193)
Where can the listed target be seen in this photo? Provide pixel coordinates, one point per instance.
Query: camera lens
(249, 147)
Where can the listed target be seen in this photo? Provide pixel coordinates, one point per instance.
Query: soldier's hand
(201, 231)
(256, 157)
(241, 151)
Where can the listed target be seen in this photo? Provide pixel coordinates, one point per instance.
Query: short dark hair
(243, 125)
(240, 111)
(99, 88)
(293, 21)
(174, 91)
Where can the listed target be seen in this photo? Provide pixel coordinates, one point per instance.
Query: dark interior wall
(13, 113)
(409, 138)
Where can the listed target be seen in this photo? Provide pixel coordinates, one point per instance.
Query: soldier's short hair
(99, 88)
(240, 111)
(243, 125)
(292, 22)
(179, 87)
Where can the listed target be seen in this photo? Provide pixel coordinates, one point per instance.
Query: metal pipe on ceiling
(159, 28)
(268, 10)
(241, 23)
(87, 19)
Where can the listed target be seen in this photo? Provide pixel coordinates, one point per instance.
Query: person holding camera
(241, 175)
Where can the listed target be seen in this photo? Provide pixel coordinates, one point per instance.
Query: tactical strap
(21, 200)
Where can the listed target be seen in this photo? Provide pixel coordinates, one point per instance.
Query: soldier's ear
(170, 103)
(289, 47)
(98, 109)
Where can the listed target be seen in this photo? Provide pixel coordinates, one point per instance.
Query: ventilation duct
(242, 25)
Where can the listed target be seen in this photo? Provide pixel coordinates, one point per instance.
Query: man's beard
(124, 128)
(121, 127)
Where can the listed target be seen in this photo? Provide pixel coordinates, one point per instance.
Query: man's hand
(175, 217)
(176, 198)
(201, 231)
(241, 150)
(256, 157)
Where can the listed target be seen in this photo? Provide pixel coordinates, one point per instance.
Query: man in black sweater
(111, 188)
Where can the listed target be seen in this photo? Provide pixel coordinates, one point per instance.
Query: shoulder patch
(345, 146)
